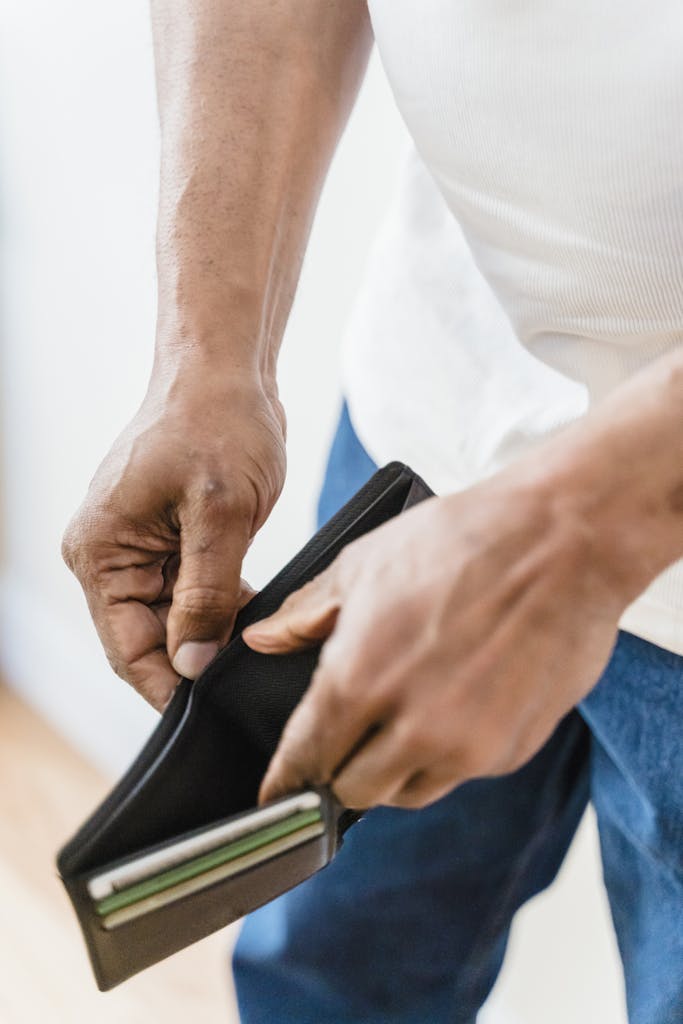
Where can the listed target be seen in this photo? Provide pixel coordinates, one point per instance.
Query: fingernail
(193, 656)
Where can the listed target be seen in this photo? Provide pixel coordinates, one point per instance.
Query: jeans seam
(642, 848)
(603, 812)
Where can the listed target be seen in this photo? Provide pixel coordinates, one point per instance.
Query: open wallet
(179, 848)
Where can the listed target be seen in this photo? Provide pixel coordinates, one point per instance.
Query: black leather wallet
(198, 776)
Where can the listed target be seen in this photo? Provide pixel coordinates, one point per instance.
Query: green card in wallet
(179, 848)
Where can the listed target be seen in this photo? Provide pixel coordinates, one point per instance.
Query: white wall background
(78, 162)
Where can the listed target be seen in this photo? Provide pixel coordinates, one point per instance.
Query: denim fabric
(409, 924)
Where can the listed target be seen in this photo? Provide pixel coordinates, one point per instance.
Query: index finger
(330, 724)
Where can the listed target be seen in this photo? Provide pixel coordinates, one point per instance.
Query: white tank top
(532, 258)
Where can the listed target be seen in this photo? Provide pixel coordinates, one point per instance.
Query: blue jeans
(409, 924)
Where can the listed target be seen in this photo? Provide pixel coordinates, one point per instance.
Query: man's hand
(252, 100)
(461, 632)
(159, 541)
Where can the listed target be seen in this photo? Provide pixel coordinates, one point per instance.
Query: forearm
(620, 473)
(252, 99)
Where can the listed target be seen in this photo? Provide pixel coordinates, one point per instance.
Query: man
(463, 635)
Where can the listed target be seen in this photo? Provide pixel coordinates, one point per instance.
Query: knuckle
(413, 792)
(426, 787)
(353, 794)
(409, 799)
(212, 487)
(417, 738)
(201, 601)
(78, 547)
(216, 498)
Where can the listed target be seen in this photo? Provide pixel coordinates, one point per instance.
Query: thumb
(306, 616)
(207, 594)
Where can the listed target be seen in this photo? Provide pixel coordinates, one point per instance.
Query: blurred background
(78, 170)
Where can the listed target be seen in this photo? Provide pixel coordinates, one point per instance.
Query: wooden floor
(45, 792)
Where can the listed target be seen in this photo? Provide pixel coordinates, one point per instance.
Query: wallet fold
(205, 760)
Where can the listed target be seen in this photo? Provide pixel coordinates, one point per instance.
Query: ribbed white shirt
(532, 258)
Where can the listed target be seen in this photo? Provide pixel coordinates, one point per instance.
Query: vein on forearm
(252, 99)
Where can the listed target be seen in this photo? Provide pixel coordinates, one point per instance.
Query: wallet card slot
(122, 876)
(197, 865)
(217, 874)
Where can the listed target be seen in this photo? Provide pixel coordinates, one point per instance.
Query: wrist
(607, 498)
(227, 344)
(191, 377)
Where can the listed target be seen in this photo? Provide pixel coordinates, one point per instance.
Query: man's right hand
(159, 541)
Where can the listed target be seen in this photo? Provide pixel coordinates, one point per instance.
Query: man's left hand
(456, 637)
